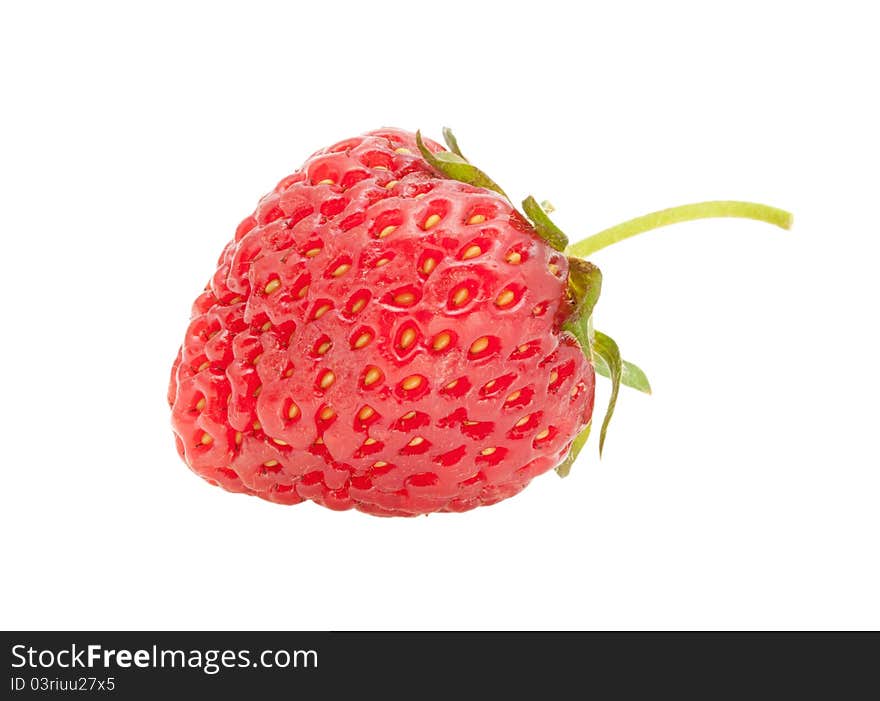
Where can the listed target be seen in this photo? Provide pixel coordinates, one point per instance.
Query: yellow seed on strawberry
(441, 340)
(504, 299)
(359, 304)
(479, 345)
(407, 338)
(431, 222)
(362, 340)
(411, 382)
(273, 285)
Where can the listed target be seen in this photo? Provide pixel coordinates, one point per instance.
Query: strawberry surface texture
(387, 332)
(380, 337)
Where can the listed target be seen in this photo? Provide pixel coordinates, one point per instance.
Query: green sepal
(631, 374)
(452, 142)
(584, 287)
(605, 348)
(547, 230)
(454, 167)
(563, 468)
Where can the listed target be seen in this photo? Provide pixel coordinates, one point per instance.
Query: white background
(743, 494)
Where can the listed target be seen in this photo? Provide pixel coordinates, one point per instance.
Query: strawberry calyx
(580, 440)
(605, 347)
(631, 375)
(455, 166)
(452, 142)
(584, 287)
(584, 278)
(547, 230)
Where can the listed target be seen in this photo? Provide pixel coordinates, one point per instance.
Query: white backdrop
(744, 493)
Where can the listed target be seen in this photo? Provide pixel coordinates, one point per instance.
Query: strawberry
(387, 332)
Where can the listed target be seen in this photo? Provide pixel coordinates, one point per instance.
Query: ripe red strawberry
(387, 332)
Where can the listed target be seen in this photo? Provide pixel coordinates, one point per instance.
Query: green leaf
(454, 167)
(605, 348)
(563, 468)
(631, 374)
(546, 229)
(579, 327)
(584, 287)
(452, 142)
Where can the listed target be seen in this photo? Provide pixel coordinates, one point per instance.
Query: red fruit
(380, 336)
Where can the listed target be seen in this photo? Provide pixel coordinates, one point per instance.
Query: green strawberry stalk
(585, 279)
(675, 215)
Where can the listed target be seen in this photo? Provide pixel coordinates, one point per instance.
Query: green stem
(687, 212)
